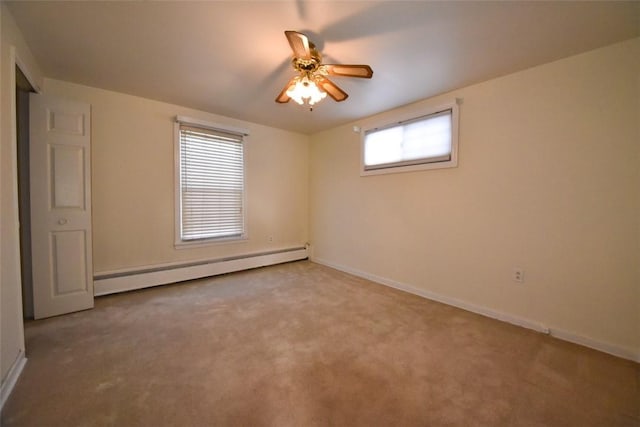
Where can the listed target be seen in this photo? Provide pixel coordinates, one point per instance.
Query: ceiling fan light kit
(304, 89)
(311, 85)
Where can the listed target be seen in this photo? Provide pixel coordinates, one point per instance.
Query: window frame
(179, 243)
(417, 164)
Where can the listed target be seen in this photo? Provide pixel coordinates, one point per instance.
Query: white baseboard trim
(614, 350)
(132, 279)
(12, 377)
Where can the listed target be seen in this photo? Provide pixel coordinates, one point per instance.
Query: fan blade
(283, 97)
(299, 44)
(334, 91)
(361, 71)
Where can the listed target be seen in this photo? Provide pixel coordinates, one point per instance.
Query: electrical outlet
(518, 275)
(270, 238)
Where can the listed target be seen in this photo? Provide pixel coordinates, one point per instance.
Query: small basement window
(428, 141)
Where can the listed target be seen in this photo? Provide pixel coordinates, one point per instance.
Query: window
(210, 182)
(428, 141)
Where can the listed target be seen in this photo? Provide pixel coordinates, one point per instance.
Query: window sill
(412, 168)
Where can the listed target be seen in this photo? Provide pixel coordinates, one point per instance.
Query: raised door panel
(67, 180)
(68, 277)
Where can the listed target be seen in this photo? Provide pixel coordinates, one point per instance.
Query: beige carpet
(300, 344)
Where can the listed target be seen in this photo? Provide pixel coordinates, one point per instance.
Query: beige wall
(133, 182)
(548, 180)
(13, 48)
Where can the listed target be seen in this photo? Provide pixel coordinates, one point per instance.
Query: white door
(60, 164)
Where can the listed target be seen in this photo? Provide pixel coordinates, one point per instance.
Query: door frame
(15, 61)
(18, 365)
(23, 90)
(16, 368)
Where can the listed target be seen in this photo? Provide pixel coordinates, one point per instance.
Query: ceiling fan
(311, 85)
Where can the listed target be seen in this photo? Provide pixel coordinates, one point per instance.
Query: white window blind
(211, 183)
(426, 139)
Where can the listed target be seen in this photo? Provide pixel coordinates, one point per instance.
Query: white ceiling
(232, 58)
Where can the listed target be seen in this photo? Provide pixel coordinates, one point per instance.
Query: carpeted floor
(300, 344)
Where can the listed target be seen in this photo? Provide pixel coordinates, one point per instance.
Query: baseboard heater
(127, 280)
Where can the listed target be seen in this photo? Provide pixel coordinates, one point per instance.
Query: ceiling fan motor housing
(308, 65)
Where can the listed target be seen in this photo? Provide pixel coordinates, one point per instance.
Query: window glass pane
(383, 146)
(427, 138)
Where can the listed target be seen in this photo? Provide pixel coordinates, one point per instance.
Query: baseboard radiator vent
(132, 279)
